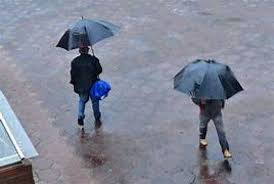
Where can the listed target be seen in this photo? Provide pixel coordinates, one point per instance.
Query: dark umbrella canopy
(86, 33)
(207, 79)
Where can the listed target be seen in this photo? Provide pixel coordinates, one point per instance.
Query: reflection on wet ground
(93, 157)
(205, 172)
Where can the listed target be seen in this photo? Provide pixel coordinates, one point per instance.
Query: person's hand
(223, 104)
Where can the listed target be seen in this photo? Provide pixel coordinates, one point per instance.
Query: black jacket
(84, 72)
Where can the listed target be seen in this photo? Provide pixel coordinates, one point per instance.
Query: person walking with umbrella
(209, 84)
(86, 68)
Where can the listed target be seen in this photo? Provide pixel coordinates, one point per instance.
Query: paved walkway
(150, 131)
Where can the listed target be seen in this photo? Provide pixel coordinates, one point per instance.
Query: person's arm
(72, 73)
(196, 101)
(98, 67)
(223, 103)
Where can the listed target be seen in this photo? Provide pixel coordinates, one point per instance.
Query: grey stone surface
(150, 130)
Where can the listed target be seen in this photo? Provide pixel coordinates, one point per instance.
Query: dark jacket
(209, 108)
(84, 72)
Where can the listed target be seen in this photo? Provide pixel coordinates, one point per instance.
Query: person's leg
(218, 122)
(203, 129)
(96, 109)
(96, 112)
(203, 125)
(83, 98)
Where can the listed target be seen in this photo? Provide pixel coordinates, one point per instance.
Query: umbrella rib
(220, 82)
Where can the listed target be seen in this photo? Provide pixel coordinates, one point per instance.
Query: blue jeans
(83, 99)
(218, 122)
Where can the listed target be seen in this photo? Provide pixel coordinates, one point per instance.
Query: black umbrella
(207, 79)
(86, 33)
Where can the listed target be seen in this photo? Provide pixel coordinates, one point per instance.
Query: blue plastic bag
(100, 90)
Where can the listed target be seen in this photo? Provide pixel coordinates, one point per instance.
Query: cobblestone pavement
(150, 131)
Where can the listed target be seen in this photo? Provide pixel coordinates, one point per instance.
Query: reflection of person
(211, 110)
(205, 172)
(85, 70)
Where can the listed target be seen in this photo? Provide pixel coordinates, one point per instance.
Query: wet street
(150, 131)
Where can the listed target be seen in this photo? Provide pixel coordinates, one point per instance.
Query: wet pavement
(150, 131)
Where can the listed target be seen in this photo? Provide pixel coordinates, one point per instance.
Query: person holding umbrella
(85, 68)
(209, 84)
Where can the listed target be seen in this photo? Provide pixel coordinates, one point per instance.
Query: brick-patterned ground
(150, 131)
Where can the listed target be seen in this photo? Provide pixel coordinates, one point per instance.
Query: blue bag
(100, 90)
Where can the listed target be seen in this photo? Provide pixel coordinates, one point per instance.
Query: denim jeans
(218, 122)
(83, 99)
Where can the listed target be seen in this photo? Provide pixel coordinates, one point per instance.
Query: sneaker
(81, 123)
(203, 143)
(227, 154)
(98, 123)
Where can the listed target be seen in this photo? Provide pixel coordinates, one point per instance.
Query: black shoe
(98, 123)
(81, 123)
